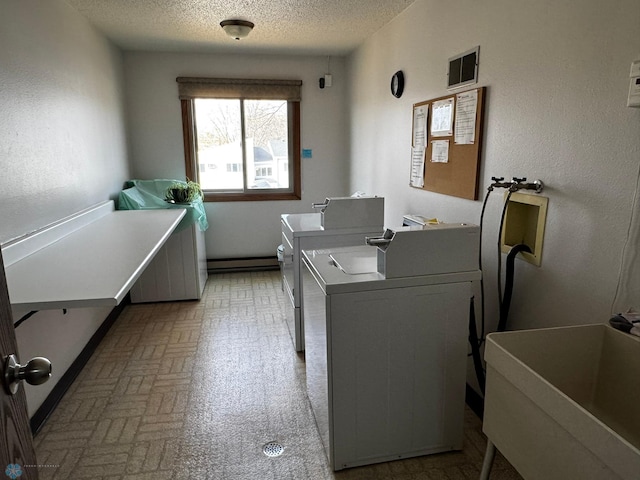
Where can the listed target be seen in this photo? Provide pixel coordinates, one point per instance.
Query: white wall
(557, 78)
(238, 229)
(557, 74)
(62, 133)
(62, 148)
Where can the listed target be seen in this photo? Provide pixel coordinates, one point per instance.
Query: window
(242, 137)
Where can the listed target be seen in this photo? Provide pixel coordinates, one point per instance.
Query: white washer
(343, 221)
(386, 355)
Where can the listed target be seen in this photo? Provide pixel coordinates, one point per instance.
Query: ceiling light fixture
(236, 28)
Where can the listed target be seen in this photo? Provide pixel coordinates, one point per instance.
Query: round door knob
(35, 372)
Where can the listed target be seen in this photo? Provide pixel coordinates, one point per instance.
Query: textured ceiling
(323, 27)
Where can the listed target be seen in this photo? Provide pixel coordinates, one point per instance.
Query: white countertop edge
(18, 248)
(138, 272)
(32, 280)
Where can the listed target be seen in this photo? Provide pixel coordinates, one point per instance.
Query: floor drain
(272, 449)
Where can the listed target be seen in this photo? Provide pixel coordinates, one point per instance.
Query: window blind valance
(258, 89)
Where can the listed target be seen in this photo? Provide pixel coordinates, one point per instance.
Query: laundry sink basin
(564, 403)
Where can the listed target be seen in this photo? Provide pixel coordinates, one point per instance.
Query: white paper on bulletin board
(465, 124)
(417, 166)
(440, 151)
(420, 130)
(442, 118)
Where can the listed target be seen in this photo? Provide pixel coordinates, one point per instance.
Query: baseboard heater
(242, 264)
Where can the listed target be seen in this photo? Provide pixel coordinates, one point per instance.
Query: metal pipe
(536, 185)
(517, 184)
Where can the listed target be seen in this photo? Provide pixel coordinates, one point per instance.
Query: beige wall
(557, 74)
(238, 229)
(62, 148)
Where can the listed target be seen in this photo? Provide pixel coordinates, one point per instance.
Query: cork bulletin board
(447, 142)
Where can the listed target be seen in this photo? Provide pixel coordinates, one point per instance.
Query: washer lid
(356, 263)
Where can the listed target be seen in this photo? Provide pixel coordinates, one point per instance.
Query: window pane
(219, 136)
(266, 134)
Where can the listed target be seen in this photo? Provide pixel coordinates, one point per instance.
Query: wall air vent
(463, 69)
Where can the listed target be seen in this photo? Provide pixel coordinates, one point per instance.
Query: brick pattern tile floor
(194, 390)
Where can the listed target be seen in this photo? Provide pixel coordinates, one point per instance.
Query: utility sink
(564, 403)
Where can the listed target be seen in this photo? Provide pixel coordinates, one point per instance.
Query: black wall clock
(397, 84)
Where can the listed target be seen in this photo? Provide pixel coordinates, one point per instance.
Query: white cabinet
(178, 271)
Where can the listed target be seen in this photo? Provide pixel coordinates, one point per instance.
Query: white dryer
(386, 342)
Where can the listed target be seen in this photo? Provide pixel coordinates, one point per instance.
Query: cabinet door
(397, 371)
(175, 273)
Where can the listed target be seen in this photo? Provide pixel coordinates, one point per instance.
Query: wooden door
(17, 456)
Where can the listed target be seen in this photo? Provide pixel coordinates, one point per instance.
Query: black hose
(475, 347)
(484, 206)
(474, 341)
(508, 287)
(502, 217)
(503, 301)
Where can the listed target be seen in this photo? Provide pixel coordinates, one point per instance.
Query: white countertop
(95, 265)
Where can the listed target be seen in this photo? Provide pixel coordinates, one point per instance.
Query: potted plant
(183, 192)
